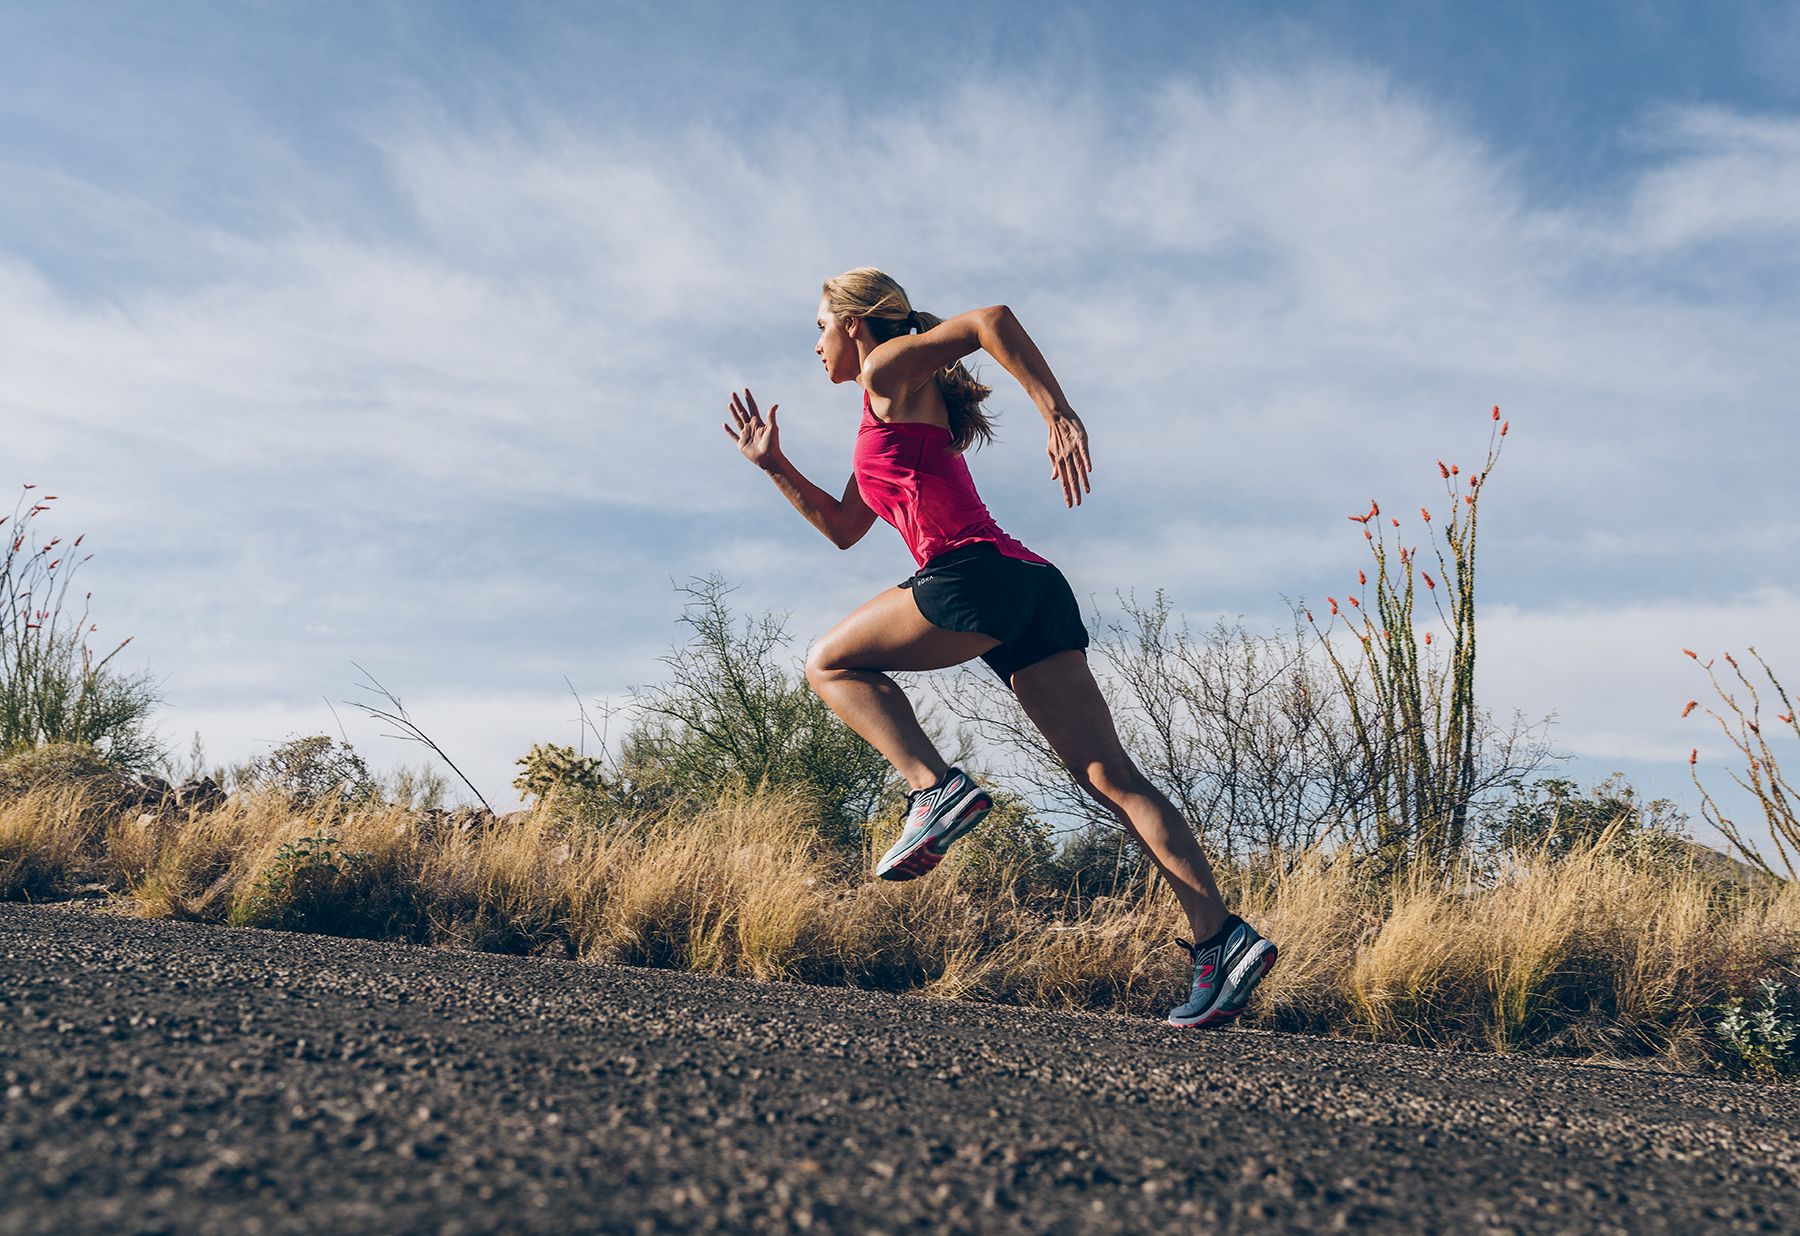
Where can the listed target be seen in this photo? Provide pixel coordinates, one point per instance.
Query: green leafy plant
(311, 884)
(1764, 1037)
(734, 717)
(1553, 816)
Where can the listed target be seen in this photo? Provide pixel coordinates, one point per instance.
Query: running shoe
(934, 818)
(1226, 969)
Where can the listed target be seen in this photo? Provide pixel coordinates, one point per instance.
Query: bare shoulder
(904, 364)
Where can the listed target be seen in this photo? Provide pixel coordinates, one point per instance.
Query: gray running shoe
(1225, 971)
(934, 818)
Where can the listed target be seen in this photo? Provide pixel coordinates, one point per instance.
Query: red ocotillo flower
(1361, 578)
(1731, 660)
(1504, 426)
(49, 497)
(54, 565)
(1374, 508)
(1454, 469)
(1309, 616)
(1428, 637)
(1443, 471)
(1367, 535)
(1690, 652)
(1356, 602)
(1691, 705)
(1469, 498)
(31, 486)
(1786, 718)
(1429, 582)
(1396, 523)
(1424, 514)
(1334, 605)
(1694, 756)
(79, 540)
(1496, 411)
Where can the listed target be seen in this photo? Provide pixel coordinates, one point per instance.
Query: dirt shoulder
(158, 1076)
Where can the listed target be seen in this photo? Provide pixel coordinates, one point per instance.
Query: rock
(200, 794)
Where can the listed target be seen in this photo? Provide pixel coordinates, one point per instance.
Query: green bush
(550, 772)
(1550, 814)
(1763, 1037)
(314, 884)
(1010, 849)
(309, 771)
(733, 717)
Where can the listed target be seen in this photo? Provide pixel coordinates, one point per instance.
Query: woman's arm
(904, 363)
(842, 521)
(907, 362)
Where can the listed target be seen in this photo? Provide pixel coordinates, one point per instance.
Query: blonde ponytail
(872, 295)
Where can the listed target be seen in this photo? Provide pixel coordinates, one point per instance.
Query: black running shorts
(1027, 606)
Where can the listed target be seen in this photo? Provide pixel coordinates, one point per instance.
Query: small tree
(1553, 816)
(56, 686)
(309, 771)
(733, 716)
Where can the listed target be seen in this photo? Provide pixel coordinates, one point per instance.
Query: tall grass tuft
(57, 685)
(1604, 950)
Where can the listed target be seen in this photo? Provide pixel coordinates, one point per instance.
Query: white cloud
(487, 441)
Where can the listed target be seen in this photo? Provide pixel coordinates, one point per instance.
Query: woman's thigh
(1062, 699)
(888, 632)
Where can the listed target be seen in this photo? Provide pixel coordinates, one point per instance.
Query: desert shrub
(1099, 860)
(1011, 849)
(309, 771)
(1762, 1035)
(56, 684)
(1552, 816)
(560, 777)
(1752, 739)
(734, 718)
(314, 883)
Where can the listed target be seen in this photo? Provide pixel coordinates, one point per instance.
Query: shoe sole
(929, 851)
(1243, 979)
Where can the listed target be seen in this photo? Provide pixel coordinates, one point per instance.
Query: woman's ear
(858, 329)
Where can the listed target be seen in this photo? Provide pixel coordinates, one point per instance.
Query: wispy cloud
(479, 439)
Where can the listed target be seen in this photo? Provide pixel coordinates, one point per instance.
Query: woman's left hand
(1070, 462)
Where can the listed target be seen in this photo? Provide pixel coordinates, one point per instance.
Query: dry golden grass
(1596, 953)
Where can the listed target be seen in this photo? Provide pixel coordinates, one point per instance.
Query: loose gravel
(170, 1077)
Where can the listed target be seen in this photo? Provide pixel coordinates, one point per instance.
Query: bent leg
(888, 633)
(1062, 699)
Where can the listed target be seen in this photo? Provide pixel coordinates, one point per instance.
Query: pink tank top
(907, 474)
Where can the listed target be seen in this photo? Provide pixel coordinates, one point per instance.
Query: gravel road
(170, 1077)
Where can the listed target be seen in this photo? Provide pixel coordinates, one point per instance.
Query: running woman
(977, 593)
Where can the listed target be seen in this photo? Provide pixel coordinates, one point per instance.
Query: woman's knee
(1110, 781)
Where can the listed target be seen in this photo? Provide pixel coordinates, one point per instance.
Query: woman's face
(835, 348)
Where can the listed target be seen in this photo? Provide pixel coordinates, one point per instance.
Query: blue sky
(401, 333)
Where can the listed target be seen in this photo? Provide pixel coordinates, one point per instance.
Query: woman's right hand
(759, 440)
